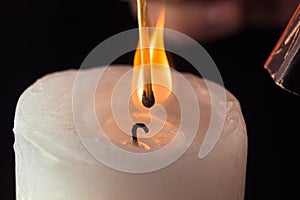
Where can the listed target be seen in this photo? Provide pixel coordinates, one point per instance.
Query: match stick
(148, 99)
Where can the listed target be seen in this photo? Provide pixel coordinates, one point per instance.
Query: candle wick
(134, 132)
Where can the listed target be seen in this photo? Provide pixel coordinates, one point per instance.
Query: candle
(61, 154)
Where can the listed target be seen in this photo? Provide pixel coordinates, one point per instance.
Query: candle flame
(155, 56)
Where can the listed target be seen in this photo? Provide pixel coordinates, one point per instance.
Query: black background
(39, 37)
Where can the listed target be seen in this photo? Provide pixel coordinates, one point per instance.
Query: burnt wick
(134, 132)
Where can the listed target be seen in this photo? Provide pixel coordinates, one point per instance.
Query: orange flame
(160, 70)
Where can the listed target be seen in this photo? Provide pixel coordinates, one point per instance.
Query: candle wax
(53, 163)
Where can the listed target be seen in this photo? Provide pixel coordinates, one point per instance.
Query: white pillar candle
(53, 163)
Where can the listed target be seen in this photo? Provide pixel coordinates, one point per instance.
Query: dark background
(39, 37)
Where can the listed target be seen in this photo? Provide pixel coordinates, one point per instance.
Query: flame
(160, 70)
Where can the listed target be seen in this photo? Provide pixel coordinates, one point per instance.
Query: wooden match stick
(148, 99)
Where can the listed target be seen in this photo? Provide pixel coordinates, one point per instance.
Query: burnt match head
(148, 100)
